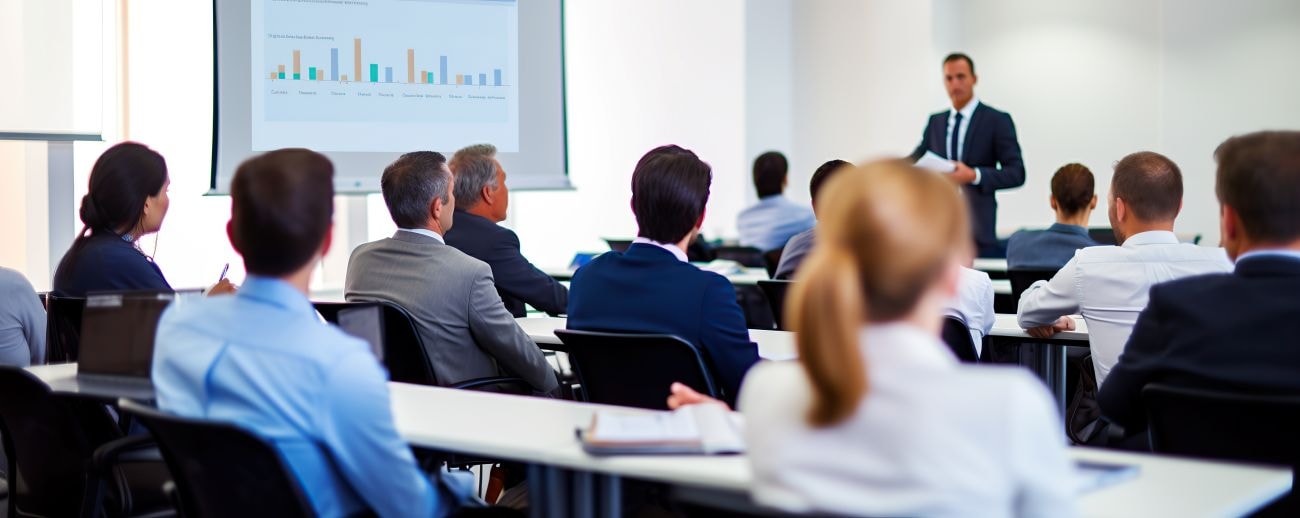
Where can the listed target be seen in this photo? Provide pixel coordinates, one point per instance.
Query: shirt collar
(772, 198)
(900, 343)
(276, 292)
(967, 110)
(1151, 237)
(671, 248)
(1065, 228)
(424, 232)
(1274, 252)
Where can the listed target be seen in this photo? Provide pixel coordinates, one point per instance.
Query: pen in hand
(223, 273)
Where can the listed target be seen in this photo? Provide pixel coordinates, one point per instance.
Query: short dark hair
(411, 183)
(670, 188)
(770, 169)
(822, 174)
(1150, 185)
(282, 205)
(1259, 177)
(956, 56)
(1073, 187)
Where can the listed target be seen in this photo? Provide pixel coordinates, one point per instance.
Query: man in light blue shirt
(768, 224)
(263, 360)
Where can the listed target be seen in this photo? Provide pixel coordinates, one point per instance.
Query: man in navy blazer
(482, 198)
(981, 141)
(651, 288)
(1232, 331)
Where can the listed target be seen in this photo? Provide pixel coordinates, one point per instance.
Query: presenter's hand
(962, 175)
(683, 395)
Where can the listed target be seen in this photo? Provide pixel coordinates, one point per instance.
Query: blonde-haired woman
(877, 417)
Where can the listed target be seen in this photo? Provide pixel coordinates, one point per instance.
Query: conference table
(1048, 359)
(541, 433)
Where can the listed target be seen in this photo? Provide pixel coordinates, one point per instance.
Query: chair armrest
(479, 383)
(132, 448)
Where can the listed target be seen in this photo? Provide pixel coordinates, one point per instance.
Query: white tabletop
(542, 431)
(985, 264)
(62, 378)
(1006, 326)
(772, 344)
(745, 277)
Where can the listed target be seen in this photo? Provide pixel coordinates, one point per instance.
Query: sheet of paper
(663, 426)
(932, 162)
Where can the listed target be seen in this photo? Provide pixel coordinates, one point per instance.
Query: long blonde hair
(886, 232)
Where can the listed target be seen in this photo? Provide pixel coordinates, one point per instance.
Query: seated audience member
(127, 199)
(799, 245)
(1072, 200)
(466, 330)
(876, 418)
(973, 303)
(481, 200)
(22, 321)
(650, 288)
(768, 224)
(263, 360)
(1233, 330)
(1108, 285)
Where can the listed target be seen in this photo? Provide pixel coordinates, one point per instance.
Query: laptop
(367, 323)
(117, 341)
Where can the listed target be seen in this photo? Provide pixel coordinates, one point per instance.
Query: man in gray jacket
(465, 327)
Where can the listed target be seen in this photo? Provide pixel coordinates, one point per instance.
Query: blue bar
(334, 64)
(496, 77)
(388, 74)
(442, 70)
(469, 79)
(482, 79)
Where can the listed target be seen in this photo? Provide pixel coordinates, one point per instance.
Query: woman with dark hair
(127, 199)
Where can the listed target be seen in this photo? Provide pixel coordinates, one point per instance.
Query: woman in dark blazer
(127, 200)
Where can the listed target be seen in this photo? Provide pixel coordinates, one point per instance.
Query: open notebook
(694, 429)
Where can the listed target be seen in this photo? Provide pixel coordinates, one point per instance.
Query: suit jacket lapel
(976, 117)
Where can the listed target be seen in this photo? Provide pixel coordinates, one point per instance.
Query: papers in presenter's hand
(932, 162)
(693, 429)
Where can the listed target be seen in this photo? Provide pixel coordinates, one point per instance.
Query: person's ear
(1052, 200)
(230, 234)
(699, 223)
(950, 280)
(1093, 205)
(435, 209)
(1230, 234)
(1121, 210)
(486, 194)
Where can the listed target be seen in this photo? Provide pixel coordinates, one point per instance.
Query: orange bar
(423, 74)
(274, 75)
(280, 69)
(410, 65)
(460, 79)
(297, 66)
(343, 78)
(356, 58)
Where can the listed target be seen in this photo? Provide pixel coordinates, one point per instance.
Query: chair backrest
(1022, 279)
(775, 291)
(49, 441)
(63, 328)
(957, 336)
(1223, 425)
(1102, 235)
(772, 259)
(747, 256)
(618, 245)
(221, 469)
(634, 369)
(405, 357)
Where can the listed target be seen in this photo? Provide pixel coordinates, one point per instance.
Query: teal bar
(311, 73)
(297, 76)
(281, 75)
(374, 73)
(430, 79)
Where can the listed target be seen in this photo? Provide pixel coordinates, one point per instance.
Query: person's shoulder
(1195, 289)
(1014, 385)
(773, 386)
(983, 106)
(12, 281)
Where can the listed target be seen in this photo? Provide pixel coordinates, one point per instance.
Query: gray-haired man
(483, 197)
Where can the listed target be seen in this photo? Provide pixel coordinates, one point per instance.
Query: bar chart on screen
(335, 75)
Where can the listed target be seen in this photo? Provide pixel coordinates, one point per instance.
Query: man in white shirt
(1108, 285)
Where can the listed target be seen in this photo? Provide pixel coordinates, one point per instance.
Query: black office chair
(1236, 426)
(1021, 279)
(54, 441)
(1102, 235)
(618, 245)
(405, 357)
(772, 259)
(775, 292)
(220, 469)
(747, 256)
(63, 328)
(635, 370)
(957, 336)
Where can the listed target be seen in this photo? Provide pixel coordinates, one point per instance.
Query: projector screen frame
(566, 185)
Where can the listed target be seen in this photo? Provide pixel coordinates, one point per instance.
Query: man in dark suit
(483, 197)
(650, 288)
(1237, 330)
(981, 142)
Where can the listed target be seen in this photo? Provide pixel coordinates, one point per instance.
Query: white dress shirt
(932, 437)
(1109, 285)
(671, 248)
(974, 305)
(956, 154)
(424, 232)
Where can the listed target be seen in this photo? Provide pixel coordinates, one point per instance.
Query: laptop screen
(117, 333)
(365, 322)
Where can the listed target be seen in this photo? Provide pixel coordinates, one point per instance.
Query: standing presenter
(981, 142)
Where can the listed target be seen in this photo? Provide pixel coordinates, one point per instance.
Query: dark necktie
(956, 130)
